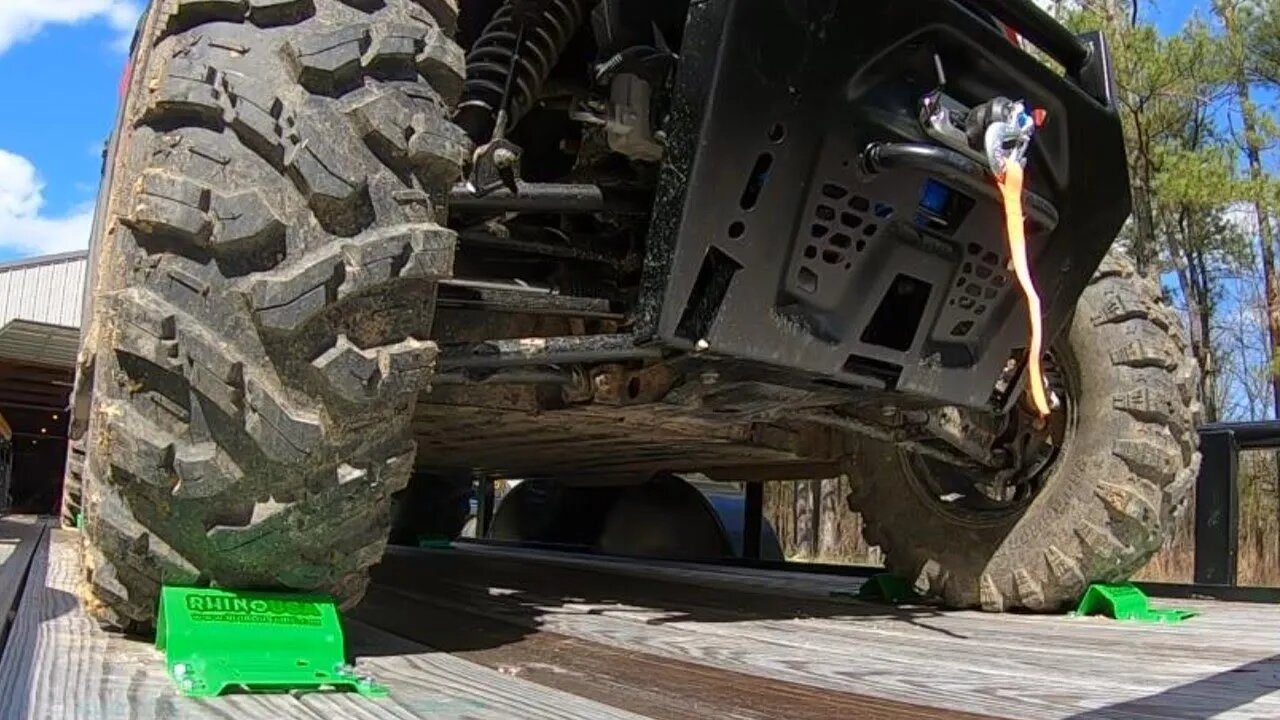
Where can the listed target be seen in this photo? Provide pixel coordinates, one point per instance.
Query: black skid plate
(774, 242)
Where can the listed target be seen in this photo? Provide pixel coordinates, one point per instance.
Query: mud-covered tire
(73, 484)
(266, 280)
(1123, 475)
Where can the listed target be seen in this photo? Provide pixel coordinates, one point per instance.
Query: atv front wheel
(1124, 463)
(265, 286)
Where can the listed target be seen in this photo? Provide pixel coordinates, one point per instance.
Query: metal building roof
(24, 341)
(44, 289)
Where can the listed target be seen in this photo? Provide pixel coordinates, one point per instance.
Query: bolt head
(702, 345)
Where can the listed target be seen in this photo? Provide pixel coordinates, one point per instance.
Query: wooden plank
(654, 686)
(1244, 627)
(19, 536)
(59, 664)
(38, 392)
(42, 408)
(1220, 665)
(435, 684)
(664, 640)
(10, 369)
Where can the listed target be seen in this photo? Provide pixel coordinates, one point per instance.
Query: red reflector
(1038, 115)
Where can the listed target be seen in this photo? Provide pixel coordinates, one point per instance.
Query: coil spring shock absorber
(512, 58)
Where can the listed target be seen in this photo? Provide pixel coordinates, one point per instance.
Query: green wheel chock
(254, 641)
(887, 588)
(1124, 601)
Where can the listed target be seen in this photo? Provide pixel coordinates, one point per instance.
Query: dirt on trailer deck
(482, 632)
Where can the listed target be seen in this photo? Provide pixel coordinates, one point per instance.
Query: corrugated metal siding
(45, 290)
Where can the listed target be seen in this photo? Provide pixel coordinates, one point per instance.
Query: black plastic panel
(816, 239)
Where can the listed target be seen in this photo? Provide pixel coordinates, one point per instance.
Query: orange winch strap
(1010, 183)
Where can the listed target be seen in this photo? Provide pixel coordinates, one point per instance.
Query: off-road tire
(1111, 496)
(265, 287)
(73, 483)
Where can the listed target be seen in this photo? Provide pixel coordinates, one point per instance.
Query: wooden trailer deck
(481, 632)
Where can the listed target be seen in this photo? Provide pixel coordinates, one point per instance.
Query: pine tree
(1181, 167)
(1240, 23)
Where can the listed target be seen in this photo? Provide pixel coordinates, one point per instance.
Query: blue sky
(1169, 15)
(60, 63)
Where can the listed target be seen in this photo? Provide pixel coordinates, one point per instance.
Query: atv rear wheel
(1122, 473)
(266, 280)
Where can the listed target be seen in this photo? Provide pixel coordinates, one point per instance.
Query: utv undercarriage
(611, 241)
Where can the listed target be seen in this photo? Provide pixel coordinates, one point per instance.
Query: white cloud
(21, 19)
(23, 226)
(1244, 216)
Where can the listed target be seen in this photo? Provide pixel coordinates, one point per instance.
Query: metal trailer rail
(1217, 521)
(1218, 495)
